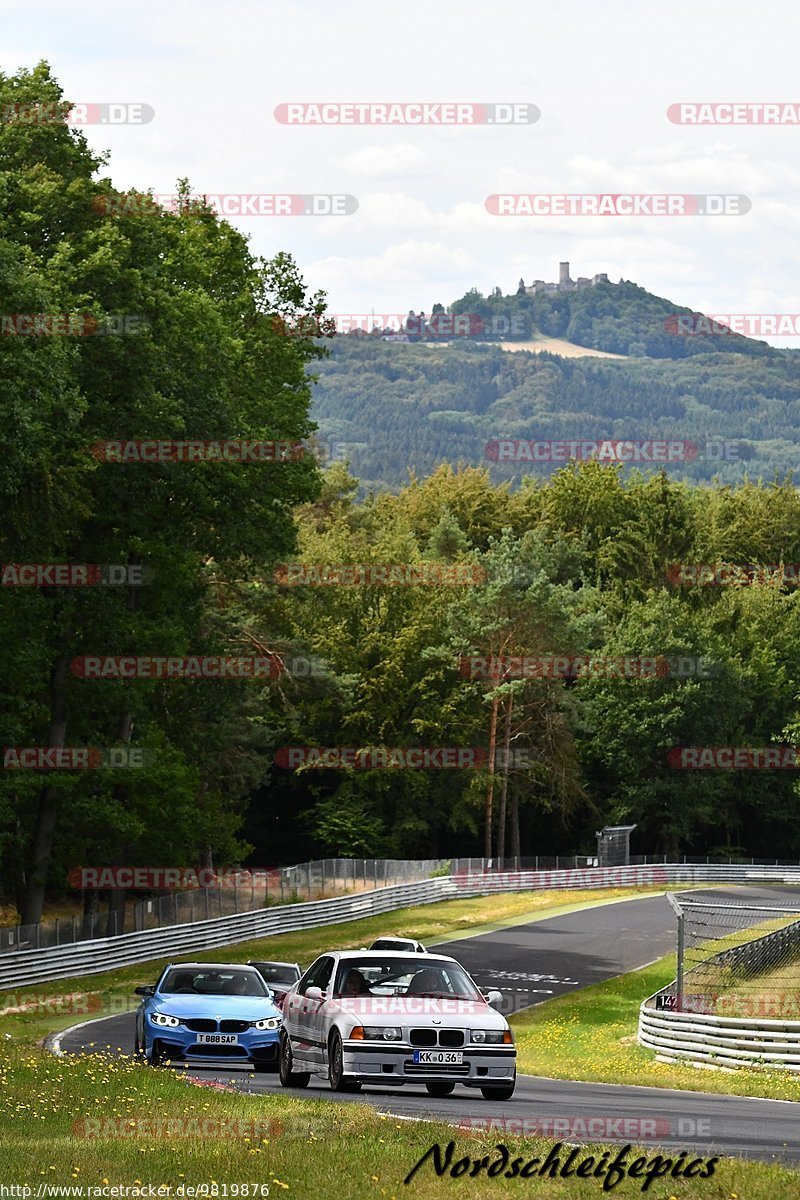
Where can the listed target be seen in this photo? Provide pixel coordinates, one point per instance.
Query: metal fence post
(679, 971)
(308, 874)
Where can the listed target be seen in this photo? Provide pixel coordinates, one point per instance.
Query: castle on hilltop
(565, 284)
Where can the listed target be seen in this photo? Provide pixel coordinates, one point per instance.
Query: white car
(392, 1018)
(399, 943)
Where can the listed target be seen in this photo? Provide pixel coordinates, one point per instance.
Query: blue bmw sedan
(207, 1014)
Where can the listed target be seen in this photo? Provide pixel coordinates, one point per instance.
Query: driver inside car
(355, 984)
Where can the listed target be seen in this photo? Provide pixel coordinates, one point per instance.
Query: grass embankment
(591, 1034)
(732, 991)
(52, 1110)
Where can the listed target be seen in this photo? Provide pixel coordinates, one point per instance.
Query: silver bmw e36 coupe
(390, 1018)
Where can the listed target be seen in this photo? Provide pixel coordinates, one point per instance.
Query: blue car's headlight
(164, 1019)
(268, 1023)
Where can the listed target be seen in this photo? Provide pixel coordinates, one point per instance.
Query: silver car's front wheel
(338, 1080)
(289, 1077)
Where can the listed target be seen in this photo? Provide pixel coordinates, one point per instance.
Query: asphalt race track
(529, 964)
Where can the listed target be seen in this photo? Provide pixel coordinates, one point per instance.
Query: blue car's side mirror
(145, 990)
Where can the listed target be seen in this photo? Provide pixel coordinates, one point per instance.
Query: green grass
(297, 1147)
(591, 1034)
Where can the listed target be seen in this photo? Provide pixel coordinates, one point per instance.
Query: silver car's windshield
(382, 976)
(277, 973)
(207, 982)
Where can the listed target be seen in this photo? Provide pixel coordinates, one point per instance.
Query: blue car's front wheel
(157, 1056)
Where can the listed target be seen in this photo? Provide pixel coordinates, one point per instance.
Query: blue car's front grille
(201, 1025)
(233, 1026)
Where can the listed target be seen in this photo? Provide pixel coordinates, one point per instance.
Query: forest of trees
(390, 408)
(580, 562)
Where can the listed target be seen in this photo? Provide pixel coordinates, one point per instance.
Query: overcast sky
(602, 74)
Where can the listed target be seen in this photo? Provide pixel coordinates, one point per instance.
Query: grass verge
(94, 1123)
(591, 1034)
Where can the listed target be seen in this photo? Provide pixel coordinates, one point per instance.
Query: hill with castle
(390, 409)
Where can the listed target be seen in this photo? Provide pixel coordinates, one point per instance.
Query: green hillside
(393, 407)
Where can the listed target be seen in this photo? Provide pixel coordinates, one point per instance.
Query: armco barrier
(19, 968)
(720, 1041)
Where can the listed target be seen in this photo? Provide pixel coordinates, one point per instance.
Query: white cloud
(386, 162)
(603, 84)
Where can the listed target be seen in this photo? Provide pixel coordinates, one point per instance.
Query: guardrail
(20, 968)
(720, 1041)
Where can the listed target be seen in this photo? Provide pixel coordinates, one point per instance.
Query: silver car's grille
(436, 1037)
(412, 1068)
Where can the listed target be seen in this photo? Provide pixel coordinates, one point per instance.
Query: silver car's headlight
(494, 1037)
(164, 1019)
(268, 1023)
(382, 1033)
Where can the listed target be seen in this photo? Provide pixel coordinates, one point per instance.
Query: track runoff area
(531, 963)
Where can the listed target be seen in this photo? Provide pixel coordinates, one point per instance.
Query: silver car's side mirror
(315, 993)
(494, 997)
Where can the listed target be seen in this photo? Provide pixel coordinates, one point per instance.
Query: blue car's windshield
(207, 982)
